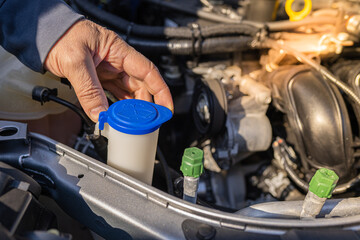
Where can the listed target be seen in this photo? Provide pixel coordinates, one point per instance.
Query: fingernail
(171, 107)
(94, 113)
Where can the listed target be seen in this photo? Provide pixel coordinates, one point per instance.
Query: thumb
(91, 96)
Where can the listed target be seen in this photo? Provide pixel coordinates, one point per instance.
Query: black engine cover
(317, 116)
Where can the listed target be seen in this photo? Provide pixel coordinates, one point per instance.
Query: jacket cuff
(30, 28)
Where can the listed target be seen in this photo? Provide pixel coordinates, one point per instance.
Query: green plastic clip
(192, 162)
(323, 183)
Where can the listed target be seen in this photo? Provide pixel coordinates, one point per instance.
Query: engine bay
(268, 90)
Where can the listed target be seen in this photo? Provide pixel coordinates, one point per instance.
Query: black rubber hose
(100, 144)
(186, 47)
(117, 23)
(226, 44)
(305, 186)
(74, 108)
(166, 170)
(212, 30)
(229, 29)
(149, 46)
(44, 94)
(121, 25)
(295, 178)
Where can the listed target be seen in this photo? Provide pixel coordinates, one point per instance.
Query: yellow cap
(297, 16)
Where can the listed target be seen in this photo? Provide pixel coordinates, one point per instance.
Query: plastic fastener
(323, 183)
(192, 162)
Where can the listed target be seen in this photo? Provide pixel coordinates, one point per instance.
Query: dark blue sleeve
(29, 28)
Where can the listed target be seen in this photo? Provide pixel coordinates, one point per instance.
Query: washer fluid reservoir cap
(133, 116)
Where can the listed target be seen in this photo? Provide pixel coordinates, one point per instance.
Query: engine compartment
(237, 104)
(268, 100)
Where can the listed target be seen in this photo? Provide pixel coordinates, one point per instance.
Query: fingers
(117, 90)
(122, 89)
(80, 51)
(143, 94)
(83, 77)
(107, 72)
(139, 67)
(72, 57)
(158, 89)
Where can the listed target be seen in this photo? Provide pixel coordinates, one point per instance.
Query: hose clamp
(196, 38)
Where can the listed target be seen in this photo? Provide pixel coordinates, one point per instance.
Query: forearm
(29, 28)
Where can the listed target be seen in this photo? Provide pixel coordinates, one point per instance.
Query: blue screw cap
(133, 116)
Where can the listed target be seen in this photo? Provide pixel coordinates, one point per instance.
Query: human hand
(89, 56)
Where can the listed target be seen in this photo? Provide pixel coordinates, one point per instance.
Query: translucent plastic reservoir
(132, 127)
(132, 154)
(16, 84)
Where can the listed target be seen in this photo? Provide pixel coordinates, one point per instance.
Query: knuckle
(73, 57)
(151, 69)
(152, 66)
(89, 93)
